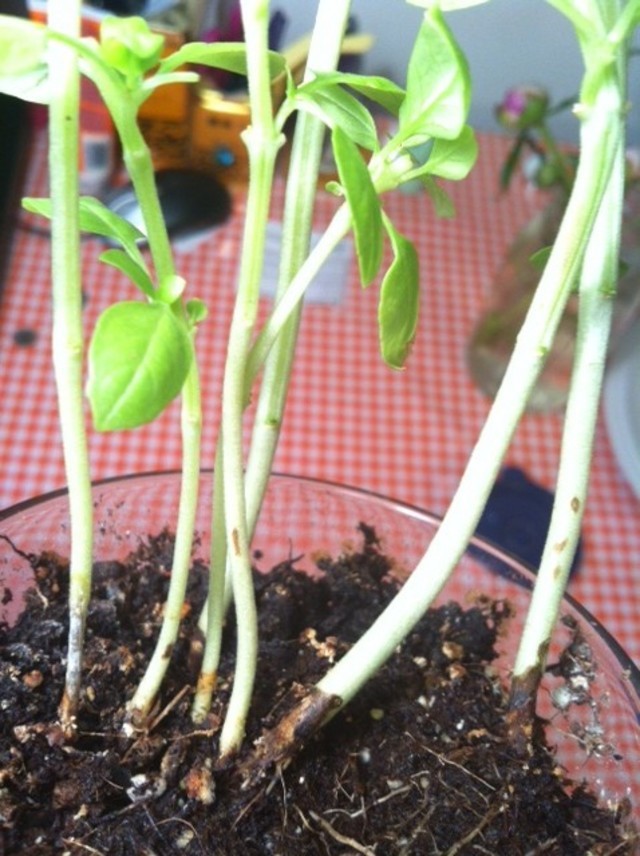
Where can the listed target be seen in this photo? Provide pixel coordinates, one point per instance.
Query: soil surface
(418, 764)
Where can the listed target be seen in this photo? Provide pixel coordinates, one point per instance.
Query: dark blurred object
(191, 201)
(119, 7)
(14, 148)
(517, 517)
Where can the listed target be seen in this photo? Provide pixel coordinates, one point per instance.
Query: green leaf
(23, 66)
(129, 46)
(228, 56)
(138, 361)
(539, 259)
(338, 109)
(438, 85)
(363, 202)
(452, 159)
(442, 202)
(97, 219)
(399, 301)
(123, 262)
(196, 310)
(378, 89)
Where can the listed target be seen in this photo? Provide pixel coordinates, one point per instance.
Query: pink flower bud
(522, 107)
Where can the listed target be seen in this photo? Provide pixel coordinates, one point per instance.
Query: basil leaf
(363, 202)
(228, 56)
(452, 159)
(338, 109)
(399, 301)
(377, 89)
(438, 85)
(24, 72)
(96, 219)
(123, 262)
(139, 357)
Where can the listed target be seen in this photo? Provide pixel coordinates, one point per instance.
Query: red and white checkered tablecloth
(349, 418)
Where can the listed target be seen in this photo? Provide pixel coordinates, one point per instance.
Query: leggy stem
(140, 167)
(67, 338)
(324, 53)
(597, 288)
(375, 646)
(191, 422)
(263, 143)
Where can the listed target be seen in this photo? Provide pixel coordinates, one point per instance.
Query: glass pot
(303, 517)
(512, 289)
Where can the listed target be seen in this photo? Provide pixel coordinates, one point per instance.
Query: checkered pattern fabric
(349, 418)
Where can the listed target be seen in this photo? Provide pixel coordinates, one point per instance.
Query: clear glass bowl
(302, 517)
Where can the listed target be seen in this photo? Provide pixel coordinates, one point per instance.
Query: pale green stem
(300, 197)
(67, 336)
(324, 53)
(191, 422)
(594, 322)
(137, 158)
(337, 229)
(263, 143)
(212, 617)
(532, 345)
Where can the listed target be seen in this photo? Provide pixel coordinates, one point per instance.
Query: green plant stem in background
(67, 336)
(263, 143)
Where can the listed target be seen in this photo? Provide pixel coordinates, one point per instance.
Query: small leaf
(196, 310)
(97, 219)
(399, 301)
(453, 159)
(123, 262)
(442, 202)
(138, 361)
(23, 65)
(377, 89)
(129, 46)
(338, 109)
(228, 56)
(539, 259)
(364, 205)
(438, 85)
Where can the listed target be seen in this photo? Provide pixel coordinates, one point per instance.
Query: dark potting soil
(419, 763)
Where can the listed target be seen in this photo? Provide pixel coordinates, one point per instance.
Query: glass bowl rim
(407, 509)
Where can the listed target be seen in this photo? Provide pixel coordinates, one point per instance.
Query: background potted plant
(141, 353)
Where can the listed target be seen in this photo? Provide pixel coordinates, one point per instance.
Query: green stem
(461, 519)
(67, 336)
(263, 143)
(558, 156)
(290, 300)
(597, 287)
(324, 53)
(191, 420)
(212, 617)
(137, 158)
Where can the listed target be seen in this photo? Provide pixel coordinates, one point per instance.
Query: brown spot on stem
(236, 542)
(521, 708)
(207, 682)
(575, 504)
(168, 651)
(560, 546)
(279, 745)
